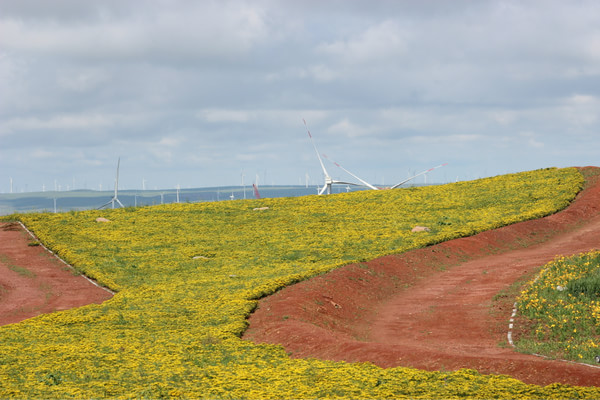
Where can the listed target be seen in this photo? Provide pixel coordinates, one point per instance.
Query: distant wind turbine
(115, 198)
(419, 174)
(365, 183)
(243, 185)
(256, 193)
(329, 181)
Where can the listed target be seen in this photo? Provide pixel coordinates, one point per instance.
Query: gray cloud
(192, 93)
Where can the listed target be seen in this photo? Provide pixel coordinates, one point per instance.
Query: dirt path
(438, 308)
(34, 282)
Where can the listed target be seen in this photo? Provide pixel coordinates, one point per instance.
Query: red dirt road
(34, 282)
(443, 307)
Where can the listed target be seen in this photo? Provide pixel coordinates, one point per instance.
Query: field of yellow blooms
(563, 304)
(188, 275)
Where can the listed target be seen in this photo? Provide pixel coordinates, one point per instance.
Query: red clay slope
(442, 307)
(34, 282)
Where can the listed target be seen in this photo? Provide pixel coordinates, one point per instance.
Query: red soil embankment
(34, 282)
(443, 307)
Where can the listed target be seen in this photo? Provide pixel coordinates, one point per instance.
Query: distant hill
(89, 199)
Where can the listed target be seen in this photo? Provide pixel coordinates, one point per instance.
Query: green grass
(14, 267)
(560, 310)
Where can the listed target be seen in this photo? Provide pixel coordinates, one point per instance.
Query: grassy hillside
(187, 276)
(561, 308)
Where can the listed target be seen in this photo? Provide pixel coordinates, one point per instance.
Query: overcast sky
(199, 93)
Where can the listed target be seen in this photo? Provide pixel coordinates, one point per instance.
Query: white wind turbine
(414, 176)
(329, 181)
(115, 197)
(364, 183)
(243, 186)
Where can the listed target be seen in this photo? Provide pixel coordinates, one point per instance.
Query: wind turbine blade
(117, 178)
(115, 197)
(419, 174)
(323, 189)
(256, 193)
(104, 205)
(316, 151)
(408, 179)
(350, 173)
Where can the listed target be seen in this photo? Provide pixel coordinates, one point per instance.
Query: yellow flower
(188, 275)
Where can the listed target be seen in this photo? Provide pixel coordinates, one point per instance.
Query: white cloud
(38, 154)
(446, 139)
(170, 141)
(292, 72)
(57, 122)
(504, 117)
(582, 100)
(581, 110)
(83, 80)
(224, 85)
(375, 44)
(221, 115)
(155, 33)
(347, 129)
(531, 139)
(323, 73)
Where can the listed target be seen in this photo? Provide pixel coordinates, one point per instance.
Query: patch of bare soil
(443, 307)
(34, 282)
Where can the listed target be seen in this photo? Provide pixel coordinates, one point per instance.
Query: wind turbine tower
(243, 186)
(329, 181)
(115, 198)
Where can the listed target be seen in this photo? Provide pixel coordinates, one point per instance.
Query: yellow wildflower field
(188, 275)
(563, 307)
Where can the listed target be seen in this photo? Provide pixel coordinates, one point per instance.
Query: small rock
(420, 229)
(260, 208)
(102, 219)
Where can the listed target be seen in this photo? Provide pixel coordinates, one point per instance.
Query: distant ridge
(86, 199)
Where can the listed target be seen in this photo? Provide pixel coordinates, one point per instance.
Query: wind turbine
(243, 186)
(419, 174)
(329, 181)
(115, 197)
(364, 183)
(256, 193)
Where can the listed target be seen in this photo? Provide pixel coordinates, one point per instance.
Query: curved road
(445, 314)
